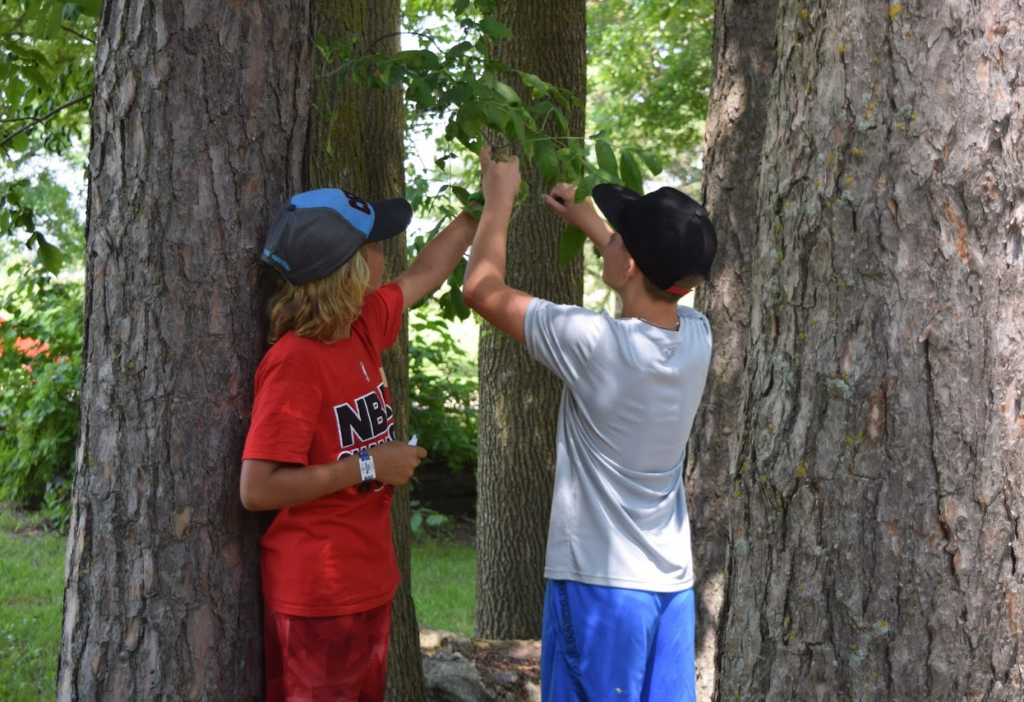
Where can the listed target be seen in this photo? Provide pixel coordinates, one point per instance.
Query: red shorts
(314, 659)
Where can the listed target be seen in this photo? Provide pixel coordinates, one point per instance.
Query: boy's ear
(631, 270)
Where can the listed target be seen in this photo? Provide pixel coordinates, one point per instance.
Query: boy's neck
(636, 303)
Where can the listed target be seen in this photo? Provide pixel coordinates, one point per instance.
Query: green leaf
(507, 93)
(19, 142)
(28, 54)
(54, 17)
(546, 158)
(460, 6)
(495, 29)
(471, 119)
(36, 77)
(561, 121)
(412, 58)
(321, 46)
(459, 305)
(570, 245)
(520, 129)
(495, 115)
(606, 158)
(652, 162)
(586, 186)
(50, 256)
(631, 176)
(461, 193)
(539, 87)
(91, 8)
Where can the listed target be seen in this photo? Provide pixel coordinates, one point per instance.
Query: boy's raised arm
(484, 288)
(437, 260)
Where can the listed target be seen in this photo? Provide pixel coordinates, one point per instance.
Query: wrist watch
(366, 469)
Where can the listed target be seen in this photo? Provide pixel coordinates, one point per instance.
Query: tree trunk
(736, 125)
(518, 397)
(875, 527)
(357, 144)
(199, 122)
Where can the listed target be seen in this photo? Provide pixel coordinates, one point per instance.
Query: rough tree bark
(875, 524)
(518, 397)
(357, 143)
(744, 52)
(199, 122)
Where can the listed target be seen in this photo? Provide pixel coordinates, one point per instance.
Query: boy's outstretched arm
(437, 260)
(484, 288)
(582, 215)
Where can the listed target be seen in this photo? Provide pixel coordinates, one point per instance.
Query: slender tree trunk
(518, 397)
(875, 529)
(199, 119)
(357, 143)
(744, 53)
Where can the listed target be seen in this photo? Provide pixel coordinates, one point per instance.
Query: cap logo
(358, 212)
(267, 253)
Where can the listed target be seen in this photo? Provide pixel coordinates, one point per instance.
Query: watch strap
(367, 472)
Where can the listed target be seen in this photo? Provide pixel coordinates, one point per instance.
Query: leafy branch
(471, 93)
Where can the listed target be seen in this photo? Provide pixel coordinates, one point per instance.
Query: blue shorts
(607, 643)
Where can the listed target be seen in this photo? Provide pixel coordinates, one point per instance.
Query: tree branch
(39, 120)
(80, 36)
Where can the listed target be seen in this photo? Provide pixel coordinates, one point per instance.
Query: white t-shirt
(618, 516)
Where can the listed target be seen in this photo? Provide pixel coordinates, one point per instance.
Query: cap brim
(391, 217)
(612, 199)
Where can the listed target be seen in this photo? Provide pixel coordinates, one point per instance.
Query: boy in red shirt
(321, 449)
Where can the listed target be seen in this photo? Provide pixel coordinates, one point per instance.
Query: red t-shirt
(315, 403)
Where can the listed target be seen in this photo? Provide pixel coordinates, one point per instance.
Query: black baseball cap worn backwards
(315, 232)
(668, 234)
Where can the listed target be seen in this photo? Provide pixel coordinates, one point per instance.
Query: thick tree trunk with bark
(357, 144)
(744, 53)
(199, 122)
(876, 510)
(518, 397)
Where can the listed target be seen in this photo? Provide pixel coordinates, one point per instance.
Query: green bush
(443, 391)
(39, 394)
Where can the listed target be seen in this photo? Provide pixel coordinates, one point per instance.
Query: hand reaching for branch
(501, 178)
(582, 215)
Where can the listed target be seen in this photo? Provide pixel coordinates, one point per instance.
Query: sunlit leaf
(506, 92)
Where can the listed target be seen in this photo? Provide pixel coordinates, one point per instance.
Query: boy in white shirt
(619, 608)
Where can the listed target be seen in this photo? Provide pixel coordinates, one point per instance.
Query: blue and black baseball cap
(315, 232)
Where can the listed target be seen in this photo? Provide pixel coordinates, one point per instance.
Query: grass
(444, 584)
(32, 584)
(31, 595)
